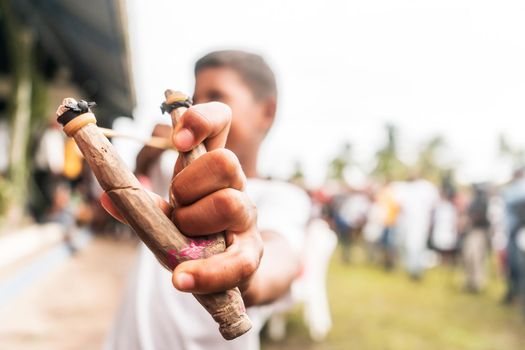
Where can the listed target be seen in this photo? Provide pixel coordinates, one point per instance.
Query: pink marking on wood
(193, 251)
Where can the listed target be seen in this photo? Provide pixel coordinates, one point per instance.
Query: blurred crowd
(418, 225)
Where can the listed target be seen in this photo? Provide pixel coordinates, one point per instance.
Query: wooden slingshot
(154, 228)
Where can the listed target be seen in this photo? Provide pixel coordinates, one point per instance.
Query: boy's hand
(210, 198)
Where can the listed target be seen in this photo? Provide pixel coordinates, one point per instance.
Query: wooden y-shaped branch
(153, 227)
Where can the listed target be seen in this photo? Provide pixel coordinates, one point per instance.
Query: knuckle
(259, 244)
(248, 263)
(249, 210)
(241, 182)
(227, 168)
(236, 207)
(227, 202)
(224, 161)
(179, 188)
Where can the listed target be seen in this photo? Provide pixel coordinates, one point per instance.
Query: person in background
(379, 230)
(350, 219)
(445, 226)
(520, 242)
(390, 209)
(73, 163)
(48, 171)
(514, 196)
(340, 224)
(63, 211)
(417, 198)
(374, 228)
(475, 242)
(320, 244)
(58, 165)
(496, 214)
(310, 288)
(215, 194)
(154, 166)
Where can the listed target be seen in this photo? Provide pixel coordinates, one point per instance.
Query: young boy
(235, 103)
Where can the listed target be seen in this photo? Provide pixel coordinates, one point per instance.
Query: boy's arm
(148, 155)
(277, 270)
(210, 197)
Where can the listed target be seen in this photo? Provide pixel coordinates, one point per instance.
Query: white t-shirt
(417, 199)
(154, 315)
(161, 173)
(445, 233)
(354, 209)
(50, 152)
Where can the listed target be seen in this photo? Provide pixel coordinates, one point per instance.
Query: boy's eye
(209, 96)
(215, 96)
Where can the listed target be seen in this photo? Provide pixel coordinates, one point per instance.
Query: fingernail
(184, 281)
(183, 139)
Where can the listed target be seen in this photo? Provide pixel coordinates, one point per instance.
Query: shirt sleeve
(284, 209)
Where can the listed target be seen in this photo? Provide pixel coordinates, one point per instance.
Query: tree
(298, 174)
(515, 154)
(427, 164)
(340, 162)
(388, 165)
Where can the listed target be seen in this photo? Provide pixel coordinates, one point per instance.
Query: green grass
(373, 309)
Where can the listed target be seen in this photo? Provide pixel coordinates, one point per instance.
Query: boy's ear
(270, 108)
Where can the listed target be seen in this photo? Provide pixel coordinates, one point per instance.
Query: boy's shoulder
(276, 188)
(281, 207)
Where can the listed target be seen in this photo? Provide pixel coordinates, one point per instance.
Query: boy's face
(251, 118)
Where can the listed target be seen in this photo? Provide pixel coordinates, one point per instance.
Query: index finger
(207, 122)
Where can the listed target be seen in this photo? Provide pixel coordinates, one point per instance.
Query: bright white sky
(344, 68)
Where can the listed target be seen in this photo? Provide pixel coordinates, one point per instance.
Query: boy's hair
(251, 67)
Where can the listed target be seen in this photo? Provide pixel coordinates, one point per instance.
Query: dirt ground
(71, 307)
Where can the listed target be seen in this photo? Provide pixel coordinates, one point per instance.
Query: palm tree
(388, 165)
(340, 162)
(515, 154)
(298, 174)
(427, 164)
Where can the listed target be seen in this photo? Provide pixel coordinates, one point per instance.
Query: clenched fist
(209, 197)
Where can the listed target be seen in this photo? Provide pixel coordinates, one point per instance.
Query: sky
(345, 68)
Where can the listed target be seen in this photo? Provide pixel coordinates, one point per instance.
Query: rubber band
(177, 97)
(79, 122)
(168, 108)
